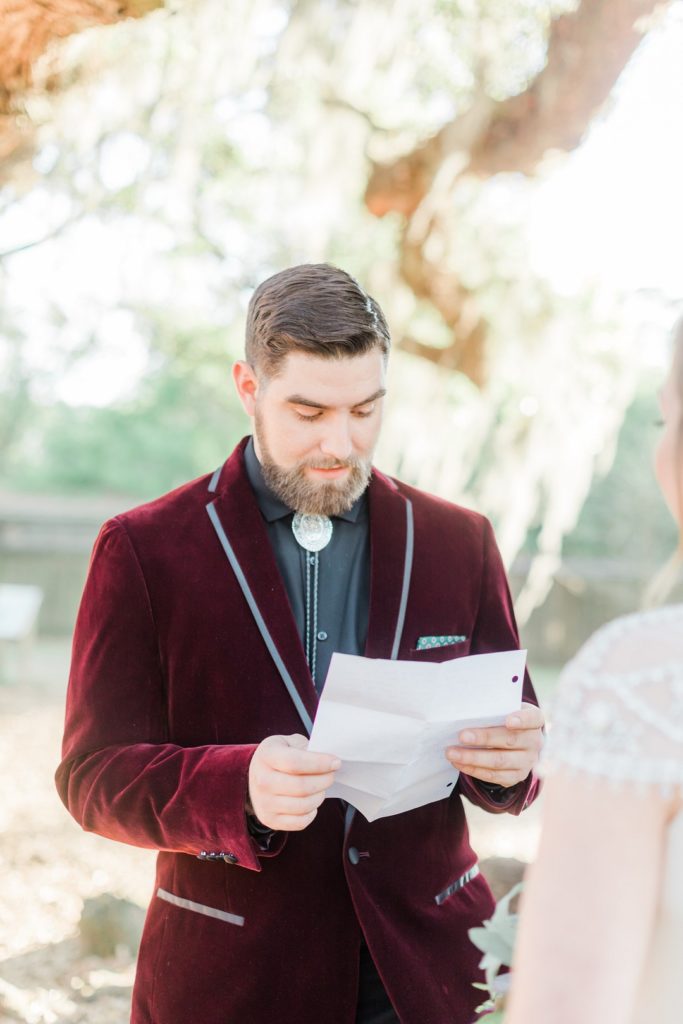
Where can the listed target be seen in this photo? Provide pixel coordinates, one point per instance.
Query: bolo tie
(312, 533)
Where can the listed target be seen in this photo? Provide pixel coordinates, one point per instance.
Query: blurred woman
(601, 930)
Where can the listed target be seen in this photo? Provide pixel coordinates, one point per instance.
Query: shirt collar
(272, 507)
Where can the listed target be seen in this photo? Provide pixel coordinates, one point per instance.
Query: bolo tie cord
(312, 613)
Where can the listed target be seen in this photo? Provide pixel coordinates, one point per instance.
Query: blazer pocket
(455, 886)
(199, 908)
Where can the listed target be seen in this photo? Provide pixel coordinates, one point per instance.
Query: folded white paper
(391, 721)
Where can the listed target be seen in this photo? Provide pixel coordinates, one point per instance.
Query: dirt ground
(49, 866)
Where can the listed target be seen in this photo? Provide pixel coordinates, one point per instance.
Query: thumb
(297, 740)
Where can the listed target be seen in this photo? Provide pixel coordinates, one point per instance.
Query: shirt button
(322, 635)
(353, 855)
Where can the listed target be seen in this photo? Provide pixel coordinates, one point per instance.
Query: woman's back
(602, 925)
(618, 714)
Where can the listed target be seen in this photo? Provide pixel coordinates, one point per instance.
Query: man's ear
(247, 385)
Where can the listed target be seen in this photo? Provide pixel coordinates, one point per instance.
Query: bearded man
(204, 635)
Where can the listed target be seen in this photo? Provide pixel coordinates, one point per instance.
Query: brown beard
(293, 487)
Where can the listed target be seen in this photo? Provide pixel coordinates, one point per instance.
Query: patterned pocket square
(425, 643)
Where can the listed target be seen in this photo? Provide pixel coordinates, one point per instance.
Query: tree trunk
(587, 51)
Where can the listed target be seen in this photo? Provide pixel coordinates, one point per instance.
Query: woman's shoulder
(634, 645)
(618, 710)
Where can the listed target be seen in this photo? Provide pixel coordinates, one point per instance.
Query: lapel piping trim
(407, 572)
(213, 483)
(349, 815)
(260, 621)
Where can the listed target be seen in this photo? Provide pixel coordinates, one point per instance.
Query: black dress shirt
(344, 571)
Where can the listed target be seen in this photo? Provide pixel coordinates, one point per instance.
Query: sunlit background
(504, 177)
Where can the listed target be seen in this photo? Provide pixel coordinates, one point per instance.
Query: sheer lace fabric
(618, 713)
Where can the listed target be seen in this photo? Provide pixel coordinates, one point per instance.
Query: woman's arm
(590, 902)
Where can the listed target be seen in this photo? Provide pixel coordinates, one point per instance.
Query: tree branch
(587, 51)
(459, 309)
(27, 29)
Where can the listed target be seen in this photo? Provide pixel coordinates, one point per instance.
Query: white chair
(19, 608)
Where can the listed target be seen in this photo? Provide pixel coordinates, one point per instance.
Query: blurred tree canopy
(156, 170)
(625, 517)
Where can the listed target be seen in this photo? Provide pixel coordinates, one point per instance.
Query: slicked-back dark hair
(314, 308)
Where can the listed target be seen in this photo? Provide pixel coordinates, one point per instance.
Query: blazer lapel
(244, 540)
(391, 559)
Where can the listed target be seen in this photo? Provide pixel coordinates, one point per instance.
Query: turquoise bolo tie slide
(425, 643)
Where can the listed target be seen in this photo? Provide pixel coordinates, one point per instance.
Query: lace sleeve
(618, 713)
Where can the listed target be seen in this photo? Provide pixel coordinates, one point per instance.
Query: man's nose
(336, 442)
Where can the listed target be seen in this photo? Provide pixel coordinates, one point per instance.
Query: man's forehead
(331, 381)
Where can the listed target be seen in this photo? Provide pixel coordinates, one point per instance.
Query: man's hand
(287, 782)
(509, 751)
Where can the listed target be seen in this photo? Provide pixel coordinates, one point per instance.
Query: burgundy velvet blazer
(186, 656)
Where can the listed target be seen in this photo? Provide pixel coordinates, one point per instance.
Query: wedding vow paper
(391, 721)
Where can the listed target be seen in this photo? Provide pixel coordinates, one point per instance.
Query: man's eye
(362, 413)
(307, 417)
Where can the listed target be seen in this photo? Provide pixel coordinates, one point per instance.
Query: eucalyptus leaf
(490, 942)
(491, 970)
(505, 928)
(502, 983)
(486, 1007)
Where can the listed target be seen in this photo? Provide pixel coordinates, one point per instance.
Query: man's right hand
(287, 782)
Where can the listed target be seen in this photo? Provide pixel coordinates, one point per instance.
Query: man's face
(316, 425)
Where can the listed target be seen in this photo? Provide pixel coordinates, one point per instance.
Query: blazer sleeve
(120, 776)
(496, 630)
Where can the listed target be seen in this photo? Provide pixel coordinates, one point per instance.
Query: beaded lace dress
(619, 716)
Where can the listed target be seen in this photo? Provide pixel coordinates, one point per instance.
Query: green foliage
(186, 156)
(625, 516)
(182, 422)
(141, 451)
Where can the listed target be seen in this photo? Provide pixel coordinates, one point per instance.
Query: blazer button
(230, 858)
(353, 854)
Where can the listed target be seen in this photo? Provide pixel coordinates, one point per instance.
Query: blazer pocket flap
(455, 886)
(199, 908)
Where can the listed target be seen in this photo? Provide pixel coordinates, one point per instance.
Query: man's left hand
(507, 752)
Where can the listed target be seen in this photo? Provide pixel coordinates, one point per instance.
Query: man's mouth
(330, 473)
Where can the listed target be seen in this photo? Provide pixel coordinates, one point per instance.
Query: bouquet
(496, 940)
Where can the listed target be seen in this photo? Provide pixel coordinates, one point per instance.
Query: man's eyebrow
(301, 400)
